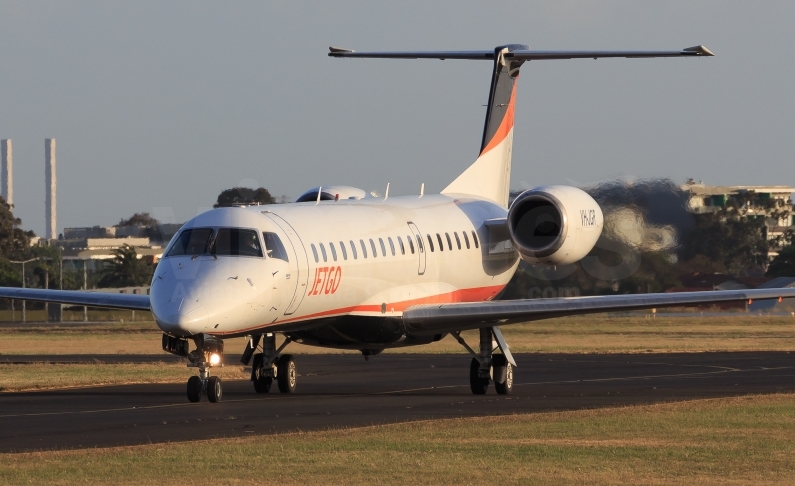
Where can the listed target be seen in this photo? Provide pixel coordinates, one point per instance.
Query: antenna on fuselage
(318, 195)
(422, 189)
(386, 194)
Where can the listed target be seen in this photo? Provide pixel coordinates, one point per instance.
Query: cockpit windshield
(236, 242)
(191, 242)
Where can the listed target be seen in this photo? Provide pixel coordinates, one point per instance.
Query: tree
(784, 263)
(126, 270)
(243, 195)
(14, 242)
(139, 219)
(731, 240)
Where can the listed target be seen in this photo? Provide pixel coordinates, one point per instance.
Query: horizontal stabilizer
(519, 55)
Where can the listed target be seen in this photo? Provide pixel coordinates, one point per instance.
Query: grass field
(39, 376)
(748, 440)
(582, 334)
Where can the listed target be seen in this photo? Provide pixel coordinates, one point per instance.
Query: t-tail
(489, 177)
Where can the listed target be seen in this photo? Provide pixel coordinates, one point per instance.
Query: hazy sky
(159, 105)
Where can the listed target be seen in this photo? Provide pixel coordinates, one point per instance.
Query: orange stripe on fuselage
(464, 295)
(505, 125)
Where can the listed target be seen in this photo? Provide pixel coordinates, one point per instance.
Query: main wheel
(262, 384)
(194, 389)
(503, 374)
(286, 375)
(478, 385)
(214, 391)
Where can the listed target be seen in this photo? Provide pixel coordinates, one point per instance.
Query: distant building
(771, 203)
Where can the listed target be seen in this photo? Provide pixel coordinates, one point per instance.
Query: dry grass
(581, 334)
(749, 440)
(38, 376)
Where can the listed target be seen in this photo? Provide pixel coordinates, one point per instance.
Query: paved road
(344, 390)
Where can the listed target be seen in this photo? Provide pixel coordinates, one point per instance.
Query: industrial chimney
(50, 198)
(7, 171)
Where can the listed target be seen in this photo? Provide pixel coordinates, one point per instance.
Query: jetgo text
(326, 281)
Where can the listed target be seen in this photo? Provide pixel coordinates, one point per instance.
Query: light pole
(23, 280)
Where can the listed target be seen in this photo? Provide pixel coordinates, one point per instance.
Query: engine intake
(554, 225)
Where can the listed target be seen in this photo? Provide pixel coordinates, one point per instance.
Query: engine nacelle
(554, 225)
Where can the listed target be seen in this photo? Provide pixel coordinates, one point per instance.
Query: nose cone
(183, 316)
(205, 295)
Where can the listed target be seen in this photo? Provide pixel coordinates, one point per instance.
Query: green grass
(748, 440)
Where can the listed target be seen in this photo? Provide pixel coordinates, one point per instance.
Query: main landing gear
(486, 366)
(270, 364)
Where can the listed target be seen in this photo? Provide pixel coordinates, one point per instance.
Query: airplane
(344, 269)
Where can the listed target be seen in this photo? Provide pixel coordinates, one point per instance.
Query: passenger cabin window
(333, 251)
(236, 242)
(314, 252)
(372, 246)
(449, 243)
(364, 249)
(430, 242)
(475, 238)
(439, 239)
(191, 242)
(402, 248)
(391, 246)
(457, 239)
(420, 248)
(411, 244)
(274, 247)
(466, 238)
(344, 252)
(383, 248)
(323, 252)
(353, 250)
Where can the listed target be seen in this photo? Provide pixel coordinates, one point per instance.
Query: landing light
(215, 358)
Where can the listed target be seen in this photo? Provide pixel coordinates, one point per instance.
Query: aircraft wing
(438, 318)
(75, 297)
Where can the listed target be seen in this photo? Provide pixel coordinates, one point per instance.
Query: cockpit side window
(274, 247)
(192, 241)
(236, 242)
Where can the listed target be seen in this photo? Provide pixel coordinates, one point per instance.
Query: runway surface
(346, 391)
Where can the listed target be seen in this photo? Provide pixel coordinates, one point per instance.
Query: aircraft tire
(478, 385)
(194, 389)
(262, 384)
(503, 375)
(214, 389)
(286, 374)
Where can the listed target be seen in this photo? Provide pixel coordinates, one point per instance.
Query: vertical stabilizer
(490, 176)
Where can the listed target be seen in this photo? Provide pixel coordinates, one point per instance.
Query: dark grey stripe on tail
(502, 81)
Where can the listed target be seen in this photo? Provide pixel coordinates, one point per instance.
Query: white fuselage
(344, 259)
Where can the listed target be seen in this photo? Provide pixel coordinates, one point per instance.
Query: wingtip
(337, 51)
(699, 51)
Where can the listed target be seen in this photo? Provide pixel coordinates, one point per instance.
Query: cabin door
(420, 247)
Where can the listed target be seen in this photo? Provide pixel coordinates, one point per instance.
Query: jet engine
(554, 225)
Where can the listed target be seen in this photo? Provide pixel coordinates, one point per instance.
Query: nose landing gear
(209, 352)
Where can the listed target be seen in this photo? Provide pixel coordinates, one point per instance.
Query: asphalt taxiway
(347, 391)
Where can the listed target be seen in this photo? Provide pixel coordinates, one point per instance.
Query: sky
(159, 106)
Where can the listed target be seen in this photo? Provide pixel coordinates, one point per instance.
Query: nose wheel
(208, 353)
